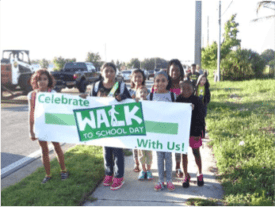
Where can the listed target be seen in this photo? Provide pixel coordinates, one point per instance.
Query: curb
(14, 101)
(23, 162)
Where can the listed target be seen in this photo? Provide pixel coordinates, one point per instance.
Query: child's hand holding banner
(160, 126)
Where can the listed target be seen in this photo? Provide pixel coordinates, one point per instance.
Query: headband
(162, 73)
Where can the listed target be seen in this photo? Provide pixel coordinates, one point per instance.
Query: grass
(85, 164)
(202, 202)
(240, 121)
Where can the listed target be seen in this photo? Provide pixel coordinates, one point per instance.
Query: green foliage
(59, 62)
(240, 125)
(268, 55)
(94, 58)
(134, 63)
(44, 63)
(209, 54)
(271, 63)
(258, 64)
(202, 202)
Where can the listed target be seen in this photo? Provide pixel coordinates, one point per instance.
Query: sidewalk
(141, 193)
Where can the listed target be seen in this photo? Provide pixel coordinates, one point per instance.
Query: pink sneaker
(170, 186)
(108, 180)
(159, 186)
(117, 184)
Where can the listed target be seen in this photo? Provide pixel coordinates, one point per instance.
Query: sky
(125, 29)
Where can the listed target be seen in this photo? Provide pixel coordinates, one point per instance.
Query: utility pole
(198, 33)
(219, 46)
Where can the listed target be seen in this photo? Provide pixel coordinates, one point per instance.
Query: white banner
(150, 125)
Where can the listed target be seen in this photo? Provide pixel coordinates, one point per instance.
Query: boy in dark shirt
(193, 76)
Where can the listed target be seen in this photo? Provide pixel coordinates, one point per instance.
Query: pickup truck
(76, 74)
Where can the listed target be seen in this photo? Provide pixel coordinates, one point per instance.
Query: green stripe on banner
(60, 119)
(161, 127)
(151, 126)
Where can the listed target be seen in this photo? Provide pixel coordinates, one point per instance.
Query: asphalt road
(15, 142)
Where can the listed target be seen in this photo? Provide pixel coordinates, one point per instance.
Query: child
(137, 80)
(193, 76)
(42, 81)
(163, 83)
(113, 157)
(197, 123)
(203, 93)
(176, 73)
(145, 156)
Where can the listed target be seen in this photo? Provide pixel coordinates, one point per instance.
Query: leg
(142, 159)
(161, 166)
(108, 161)
(135, 156)
(60, 155)
(197, 155)
(45, 157)
(118, 162)
(168, 165)
(178, 159)
(149, 156)
(185, 163)
(179, 173)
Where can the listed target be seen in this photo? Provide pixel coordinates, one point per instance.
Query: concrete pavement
(141, 193)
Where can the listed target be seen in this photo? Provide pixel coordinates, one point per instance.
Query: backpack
(121, 86)
(172, 96)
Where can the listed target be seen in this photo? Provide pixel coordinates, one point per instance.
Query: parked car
(76, 74)
(151, 74)
(126, 75)
(146, 73)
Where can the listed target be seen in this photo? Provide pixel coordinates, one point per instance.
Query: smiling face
(142, 93)
(137, 79)
(108, 73)
(202, 81)
(43, 82)
(161, 83)
(174, 72)
(186, 90)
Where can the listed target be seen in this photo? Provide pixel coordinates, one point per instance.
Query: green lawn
(241, 127)
(85, 164)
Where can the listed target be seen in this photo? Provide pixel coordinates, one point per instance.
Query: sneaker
(108, 180)
(200, 181)
(64, 175)
(186, 181)
(170, 186)
(159, 186)
(141, 175)
(117, 184)
(179, 173)
(149, 175)
(46, 179)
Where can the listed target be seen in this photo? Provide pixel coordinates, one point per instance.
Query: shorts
(194, 144)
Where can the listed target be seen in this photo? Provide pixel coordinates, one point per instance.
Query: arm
(124, 95)
(31, 115)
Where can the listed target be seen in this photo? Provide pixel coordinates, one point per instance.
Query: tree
(266, 4)
(59, 62)
(209, 54)
(35, 61)
(134, 63)
(44, 63)
(242, 64)
(268, 55)
(94, 58)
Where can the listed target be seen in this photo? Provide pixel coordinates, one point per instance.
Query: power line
(227, 7)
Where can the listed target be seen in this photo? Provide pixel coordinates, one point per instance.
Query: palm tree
(265, 4)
